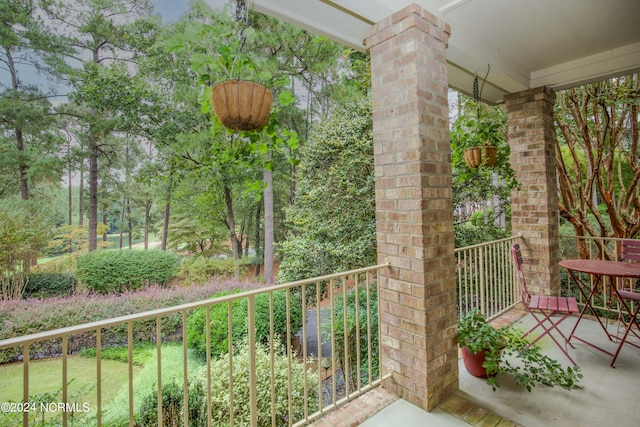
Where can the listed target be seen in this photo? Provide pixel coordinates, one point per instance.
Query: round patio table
(600, 269)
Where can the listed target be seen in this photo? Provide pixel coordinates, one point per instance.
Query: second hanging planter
(241, 104)
(484, 155)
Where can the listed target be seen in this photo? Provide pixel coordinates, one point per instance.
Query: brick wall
(414, 204)
(534, 207)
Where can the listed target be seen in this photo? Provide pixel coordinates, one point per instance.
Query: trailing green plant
(219, 321)
(507, 352)
(126, 270)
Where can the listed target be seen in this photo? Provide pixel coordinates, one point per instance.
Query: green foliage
(172, 406)
(219, 321)
(286, 371)
(469, 235)
(141, 353)
(145, 385)
(508, 353)
(597, 151)
(24, 229)
(332, 223)
(475, 126)
(200, 269)
(357, 324)
(44, 285)
(121, 270)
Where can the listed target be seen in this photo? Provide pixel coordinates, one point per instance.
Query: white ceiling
(527, 43)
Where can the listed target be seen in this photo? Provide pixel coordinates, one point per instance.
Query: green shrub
(283, 372)
(172, 406)
(47, 285)
(201, 270)
(367, 311)
(125, 270)
(219, 327)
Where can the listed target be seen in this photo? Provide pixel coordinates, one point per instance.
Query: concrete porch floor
(608, 396)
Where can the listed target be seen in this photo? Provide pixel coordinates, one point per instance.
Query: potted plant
(481, 145)
(504, 351)
(239, 102)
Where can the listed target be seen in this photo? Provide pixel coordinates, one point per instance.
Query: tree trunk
(105, 236)
(15, 83)
(231, 224)
(93, 192)
(257, 239)
(129, 227)
(268, 227)
(81, 196)
(147, 215)
(121, 227)
(167, 211)
(24, 183)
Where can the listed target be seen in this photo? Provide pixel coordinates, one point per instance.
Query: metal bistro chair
(628, 297)
(543, 307)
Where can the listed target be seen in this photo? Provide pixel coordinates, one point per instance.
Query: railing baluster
(253, 399)
(99, 377)
(65, 394)
(25, 382)
(358, 370)
(230, 351)
(208, 361)
(272, 337)
(305, 362)
(289, 358)
(130, 354)
(159, 366)
(185, 375)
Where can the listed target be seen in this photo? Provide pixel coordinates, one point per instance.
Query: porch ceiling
(527, 43)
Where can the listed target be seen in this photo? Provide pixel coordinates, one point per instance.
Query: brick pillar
(534, 207)
(414, 205)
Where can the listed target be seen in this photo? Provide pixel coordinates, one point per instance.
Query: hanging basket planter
(488, 155)
(480, 156)
(473, 157)
(241, 104)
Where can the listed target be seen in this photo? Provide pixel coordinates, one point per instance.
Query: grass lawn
(46, 377)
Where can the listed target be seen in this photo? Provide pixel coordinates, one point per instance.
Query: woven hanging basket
(473, 157)
(488, 155)
(241, 104)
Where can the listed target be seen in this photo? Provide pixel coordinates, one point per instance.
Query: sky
(170, 10)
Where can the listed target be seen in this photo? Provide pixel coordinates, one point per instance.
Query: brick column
(534, 207)
(414, 205)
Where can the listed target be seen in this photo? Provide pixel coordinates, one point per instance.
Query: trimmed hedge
(126, 270)
(45, 285)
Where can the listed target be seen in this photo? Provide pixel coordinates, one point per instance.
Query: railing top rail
(60, 332)
(493, 242)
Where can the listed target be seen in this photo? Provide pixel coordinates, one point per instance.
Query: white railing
(486, 278)
(336, 358)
